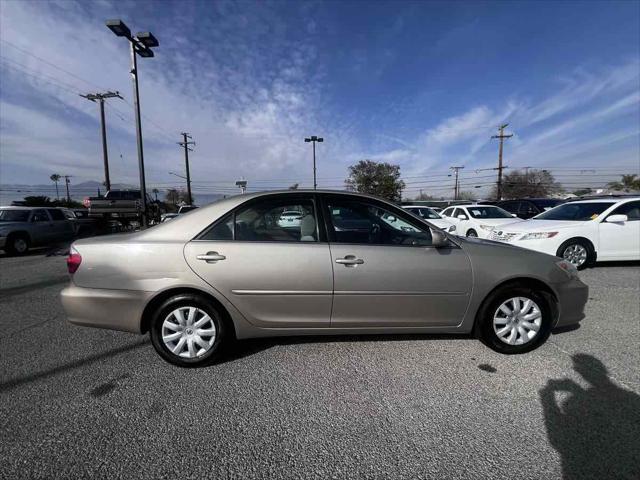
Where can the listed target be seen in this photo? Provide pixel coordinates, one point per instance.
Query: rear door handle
(350, 261)
(211, 257)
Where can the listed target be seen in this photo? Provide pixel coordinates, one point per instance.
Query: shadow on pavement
(6, 293)
(596, 430)
(244, 348)
(16, 382)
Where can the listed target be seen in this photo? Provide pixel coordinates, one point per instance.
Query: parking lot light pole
(314, 139)
(141, 45)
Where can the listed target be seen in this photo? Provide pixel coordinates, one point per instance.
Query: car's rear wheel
(577, 251)
(17, 244)
(515, 319)
(472, 233)
(187, 330)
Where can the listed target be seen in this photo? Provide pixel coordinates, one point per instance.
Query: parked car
(428, 213)
(24, 227)
(582, 231)
(477, 220)
(527, 208)
(83, 225)
(290, 219)
(228, 270)
(165, 217)
(186, 208)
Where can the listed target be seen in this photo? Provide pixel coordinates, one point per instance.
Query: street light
(314, 139)
(141, 45)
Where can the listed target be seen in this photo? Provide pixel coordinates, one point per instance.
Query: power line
(57, 67)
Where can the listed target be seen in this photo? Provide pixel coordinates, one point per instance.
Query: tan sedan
(233, 269)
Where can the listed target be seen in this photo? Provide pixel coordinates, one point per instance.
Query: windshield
(425, 212)
(488, 212)
(577, 212)
(14, 215)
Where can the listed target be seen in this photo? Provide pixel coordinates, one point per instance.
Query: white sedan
(605, 229)
(429, 214)
(290, 219)
(477, 220)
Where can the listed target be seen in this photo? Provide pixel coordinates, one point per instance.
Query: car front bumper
(548, 246)
(104, 308)
(572, 299)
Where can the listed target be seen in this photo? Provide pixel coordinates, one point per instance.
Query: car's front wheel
(187, 330)
(472, 233)
(515, 319)
(577, 251)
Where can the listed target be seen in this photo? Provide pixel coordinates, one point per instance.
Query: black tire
(17, 244)
(187, 300)
(495, 300)
(591, 253)
(472, 233)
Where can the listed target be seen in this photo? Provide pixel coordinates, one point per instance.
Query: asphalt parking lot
(78, 402)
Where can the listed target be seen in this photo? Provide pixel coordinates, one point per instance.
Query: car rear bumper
(104, 308)
(572, 298)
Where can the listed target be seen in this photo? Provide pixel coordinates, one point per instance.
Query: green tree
(467, 195)
(37, 201)
(531, 183)
(375, 178)
(626, 183)
(55, 178)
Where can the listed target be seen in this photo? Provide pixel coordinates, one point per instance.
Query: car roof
(476, 205)
(416, 206)
(604, 200)
(16, 207)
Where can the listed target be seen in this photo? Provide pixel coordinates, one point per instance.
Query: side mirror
(462, 217)
(438, 238)
(617, 219)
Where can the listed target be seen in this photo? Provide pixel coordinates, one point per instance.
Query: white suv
(582, 231)
(477, 220)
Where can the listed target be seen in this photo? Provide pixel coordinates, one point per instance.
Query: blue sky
(420, 84)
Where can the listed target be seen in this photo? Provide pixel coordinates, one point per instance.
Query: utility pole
(101, 97)
(66, 182)
(314, 139)
(501, 136)
(185, 143)
(456, 188)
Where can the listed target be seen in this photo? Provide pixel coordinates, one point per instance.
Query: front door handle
(350, 261)
(211, 257)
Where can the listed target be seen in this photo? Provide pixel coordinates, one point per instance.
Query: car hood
(494, 222)
(539, 226)
(439, 222)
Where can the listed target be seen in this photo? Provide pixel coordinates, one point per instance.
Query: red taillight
(73, 260)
